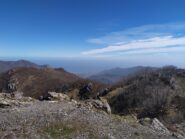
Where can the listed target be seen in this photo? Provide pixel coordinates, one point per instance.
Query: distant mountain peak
(7, 65)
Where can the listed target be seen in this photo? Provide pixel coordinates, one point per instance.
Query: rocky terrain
(23, 117)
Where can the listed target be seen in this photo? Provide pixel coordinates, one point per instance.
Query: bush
(151, 94)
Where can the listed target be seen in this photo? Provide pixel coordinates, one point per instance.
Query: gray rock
(4, 104)
(18, 95)
(145, 121)
(157, 125)
(101, 104)
(30, 121)
(106, 105)
(59, 96)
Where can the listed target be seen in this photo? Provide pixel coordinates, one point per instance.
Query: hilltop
(7, 65)
(36, 82)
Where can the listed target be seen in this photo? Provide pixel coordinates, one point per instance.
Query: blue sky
(104, 32)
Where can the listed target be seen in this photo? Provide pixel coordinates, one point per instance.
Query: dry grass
(60, 130)
(151, 94)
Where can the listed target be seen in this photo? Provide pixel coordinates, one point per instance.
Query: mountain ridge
(7, 65)
(115, 74)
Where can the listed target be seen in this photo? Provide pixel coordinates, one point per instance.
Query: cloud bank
(151, 44)
(166, 38)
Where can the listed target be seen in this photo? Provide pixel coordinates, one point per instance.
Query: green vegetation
(70, 129)
(60, 130)
(126, 118)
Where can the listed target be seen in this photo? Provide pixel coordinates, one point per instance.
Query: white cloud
(141, 32)
(159, 38)
(180, 49)
(154, 44)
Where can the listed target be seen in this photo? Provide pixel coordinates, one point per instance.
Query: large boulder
(5, 100)
(100, 104)
(18, 95)
(58, 96)
(11, 99)
(106, 105)
(12, 84)
(4, 104)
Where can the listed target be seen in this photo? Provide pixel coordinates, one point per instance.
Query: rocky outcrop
(58, 96)
(157, 125)
(4, 104)
(11, 99)
(86, 91)
(12, 82)
(106, 105)
(63, 119)
(100, 104)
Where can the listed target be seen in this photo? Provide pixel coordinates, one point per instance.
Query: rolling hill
(35, 82)
(7, 65)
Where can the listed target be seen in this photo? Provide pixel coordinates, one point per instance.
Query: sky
(92, 35)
